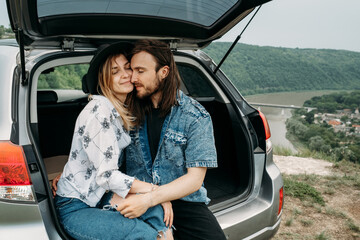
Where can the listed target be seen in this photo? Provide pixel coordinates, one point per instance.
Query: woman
(92, 169)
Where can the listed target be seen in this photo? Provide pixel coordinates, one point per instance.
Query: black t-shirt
(154, 126)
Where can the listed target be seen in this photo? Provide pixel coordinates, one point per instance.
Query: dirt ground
(338, 218)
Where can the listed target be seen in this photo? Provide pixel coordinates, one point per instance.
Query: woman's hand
(168, 213)
(135, 205)
(54, 184)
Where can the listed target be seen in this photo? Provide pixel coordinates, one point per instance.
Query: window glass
(197, 11)
(64, 80)
(196, 83)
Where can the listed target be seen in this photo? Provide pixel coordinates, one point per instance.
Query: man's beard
(148, 93)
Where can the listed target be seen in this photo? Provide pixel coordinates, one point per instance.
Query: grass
(289, 222)
(352, 226)
(289, 235)
(297, 212)
(335, 182)
(299, 186)
(302, 190)
(329, 191)
(302, 152)
(282, 151)
(305, 152)
(335, 213)
(322, 236)
(312, 190)
(347, 166)
(306, 222)
(318, 209)
(303, 187)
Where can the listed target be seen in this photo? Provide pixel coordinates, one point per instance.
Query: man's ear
(164, 72)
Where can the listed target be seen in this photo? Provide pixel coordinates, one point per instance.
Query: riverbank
(277, 117)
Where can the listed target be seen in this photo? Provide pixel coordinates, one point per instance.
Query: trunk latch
(68, 45)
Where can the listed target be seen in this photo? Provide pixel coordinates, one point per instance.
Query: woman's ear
(164, 72)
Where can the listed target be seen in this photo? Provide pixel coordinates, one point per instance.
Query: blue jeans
(81, 221)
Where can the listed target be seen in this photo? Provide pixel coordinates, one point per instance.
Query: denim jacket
(186, 141)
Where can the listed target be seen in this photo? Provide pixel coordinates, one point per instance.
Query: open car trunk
(57, 111)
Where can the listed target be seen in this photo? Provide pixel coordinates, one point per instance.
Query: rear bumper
(249, 222)
(265, 233)
(257, 217)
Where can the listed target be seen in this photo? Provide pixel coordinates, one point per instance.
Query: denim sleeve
(200, 150)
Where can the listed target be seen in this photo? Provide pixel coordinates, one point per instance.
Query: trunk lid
(186, 24)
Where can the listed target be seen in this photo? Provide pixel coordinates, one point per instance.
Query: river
(277, 116)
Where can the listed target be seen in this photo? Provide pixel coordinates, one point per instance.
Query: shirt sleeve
(103, 141)
(200, 150)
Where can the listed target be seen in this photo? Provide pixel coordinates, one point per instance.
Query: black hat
(90, 79)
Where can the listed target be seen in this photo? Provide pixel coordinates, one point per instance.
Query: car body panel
(261, 204)
(189, 23)
(8, 65)
(24, 222)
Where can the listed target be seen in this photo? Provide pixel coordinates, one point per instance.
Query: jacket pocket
(175, 144)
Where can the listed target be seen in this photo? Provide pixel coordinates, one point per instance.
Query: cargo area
(231, 179)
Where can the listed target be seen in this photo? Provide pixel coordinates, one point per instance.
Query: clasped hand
(135, 205)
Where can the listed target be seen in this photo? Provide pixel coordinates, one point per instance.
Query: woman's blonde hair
(106, 87)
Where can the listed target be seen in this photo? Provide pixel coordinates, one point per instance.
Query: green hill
(255, 69)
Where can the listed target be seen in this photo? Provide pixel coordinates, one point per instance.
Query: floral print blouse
(99, 140)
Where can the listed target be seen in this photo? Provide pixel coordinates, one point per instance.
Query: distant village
(345, 120)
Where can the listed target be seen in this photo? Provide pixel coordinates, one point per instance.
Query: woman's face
(121, 76)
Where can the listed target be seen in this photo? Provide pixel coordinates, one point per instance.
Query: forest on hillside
(329, 103)
(255, 69)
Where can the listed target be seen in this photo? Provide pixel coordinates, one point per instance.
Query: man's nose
(133, 77)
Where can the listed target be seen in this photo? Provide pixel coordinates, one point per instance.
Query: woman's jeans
(81, 221)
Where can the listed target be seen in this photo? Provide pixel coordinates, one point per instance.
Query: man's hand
(54, 184)
(168, 213)
(135, 205)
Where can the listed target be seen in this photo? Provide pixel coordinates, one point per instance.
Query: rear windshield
(196, 11)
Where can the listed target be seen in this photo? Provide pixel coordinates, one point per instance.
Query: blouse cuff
(123, 192)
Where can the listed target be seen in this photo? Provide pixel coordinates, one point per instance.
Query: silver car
(40, 96)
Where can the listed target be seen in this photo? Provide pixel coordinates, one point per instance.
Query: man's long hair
(168, 87)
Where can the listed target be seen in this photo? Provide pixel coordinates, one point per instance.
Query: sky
(329, 24)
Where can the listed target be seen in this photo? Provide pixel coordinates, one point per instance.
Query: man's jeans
(83, 222)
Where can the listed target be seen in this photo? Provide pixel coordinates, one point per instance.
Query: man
(172, 148)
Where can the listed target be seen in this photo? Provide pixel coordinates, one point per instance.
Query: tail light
(281, 199)
(267, 131)
(15, 182)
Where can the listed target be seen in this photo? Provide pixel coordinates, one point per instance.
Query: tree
(316, 143)
(8, 30)
(344, 118)
(309, 117)
(2, 31)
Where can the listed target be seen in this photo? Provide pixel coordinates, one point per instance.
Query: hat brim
(90, 79)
